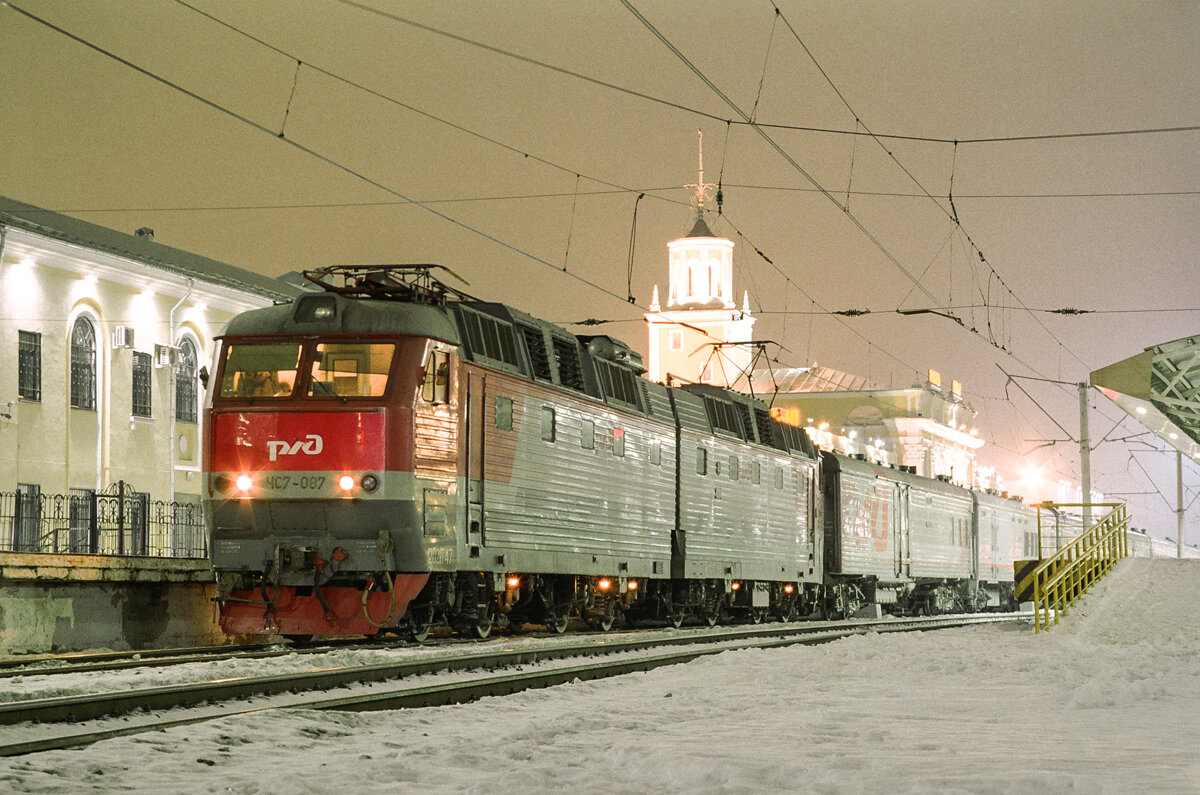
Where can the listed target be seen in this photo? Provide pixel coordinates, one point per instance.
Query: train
(387, 454)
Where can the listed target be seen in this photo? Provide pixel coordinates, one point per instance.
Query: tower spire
(704, 190)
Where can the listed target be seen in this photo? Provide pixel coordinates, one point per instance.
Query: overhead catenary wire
(306, 150)
(317, 155)
(406, 201)
(652, 191)
(577, 174)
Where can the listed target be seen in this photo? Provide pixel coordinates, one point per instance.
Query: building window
(186, 389)
(548, 423)
(142, 368)
(676, 340)
(83, 365)
(29, 365)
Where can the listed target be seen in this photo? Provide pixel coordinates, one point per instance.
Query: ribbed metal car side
(863, 515)
(940, 529)
(1005, 527)
(744, 509)
(572, 485)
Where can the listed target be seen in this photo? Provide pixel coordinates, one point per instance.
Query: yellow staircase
(1053, 584)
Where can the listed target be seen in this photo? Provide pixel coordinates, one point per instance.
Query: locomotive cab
(327, 511)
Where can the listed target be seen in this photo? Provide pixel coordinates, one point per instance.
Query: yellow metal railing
(1061, 579)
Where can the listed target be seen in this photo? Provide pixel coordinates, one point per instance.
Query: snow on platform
(1107, 701)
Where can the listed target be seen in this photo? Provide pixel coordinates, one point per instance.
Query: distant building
(925, 426)
(103, 337)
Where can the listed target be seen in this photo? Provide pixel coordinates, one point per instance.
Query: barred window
(29, 365)
(141, 384)
(186, 388)
(83, 365)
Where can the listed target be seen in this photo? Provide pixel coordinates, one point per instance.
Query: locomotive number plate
(294, 483)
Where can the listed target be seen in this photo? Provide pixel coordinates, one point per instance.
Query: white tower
(688, 339)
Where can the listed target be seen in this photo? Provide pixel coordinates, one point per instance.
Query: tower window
(676, 340)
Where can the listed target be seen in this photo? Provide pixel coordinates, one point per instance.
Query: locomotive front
(309, 463)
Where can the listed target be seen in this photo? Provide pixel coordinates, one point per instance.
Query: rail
(67, 721)
(1058, 581)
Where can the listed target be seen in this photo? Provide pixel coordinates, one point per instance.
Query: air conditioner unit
(165, 355)
(122, 337)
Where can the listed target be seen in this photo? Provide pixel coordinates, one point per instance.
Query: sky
(510, 143)
(1104, 702)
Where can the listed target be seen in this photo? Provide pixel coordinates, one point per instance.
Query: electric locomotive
(390, 453)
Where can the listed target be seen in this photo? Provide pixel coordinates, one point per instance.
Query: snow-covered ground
(1108, 701)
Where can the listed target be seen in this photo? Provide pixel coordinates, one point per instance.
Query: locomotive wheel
(603, 622)
(419, 626)
(711, 618)
(676, 618)
(481, 627)
(557, 622)
(757, 614)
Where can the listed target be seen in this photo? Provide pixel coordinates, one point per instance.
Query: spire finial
(704, 190)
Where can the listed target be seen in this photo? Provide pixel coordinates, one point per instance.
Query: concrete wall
(57, 603)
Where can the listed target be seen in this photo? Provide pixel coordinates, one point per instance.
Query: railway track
(45, 724)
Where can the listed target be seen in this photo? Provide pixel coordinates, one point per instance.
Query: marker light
(346, 483)
(513, 582)
(244, 483)
(605, 584)
(369, 483)
(631, 585)
(788, 588)
(736, 585)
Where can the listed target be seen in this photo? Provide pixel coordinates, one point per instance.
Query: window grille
(29, 365)
(566, 355)
(539, 357)
(83, 365)
(186, 389)
(723, 416)
(618, 383)
(142, 367)
(490, 338)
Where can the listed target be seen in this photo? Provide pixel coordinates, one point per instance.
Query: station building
(926, 427)
(104, 339)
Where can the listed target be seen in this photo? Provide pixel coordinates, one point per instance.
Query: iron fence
(118, 521)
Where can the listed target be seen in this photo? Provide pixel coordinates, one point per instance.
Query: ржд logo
(313, 446)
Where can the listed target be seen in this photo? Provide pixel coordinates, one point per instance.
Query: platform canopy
(1160, 388)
